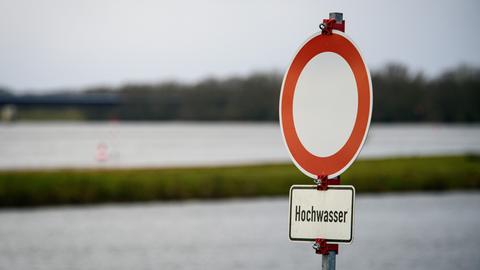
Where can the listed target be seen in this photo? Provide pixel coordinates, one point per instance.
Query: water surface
(409, 231)
(60, 145)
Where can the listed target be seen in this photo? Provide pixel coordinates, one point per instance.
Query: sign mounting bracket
(322, 247)
(323, 182)
(335, 21)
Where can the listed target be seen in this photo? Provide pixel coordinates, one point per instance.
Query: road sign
(326, 105)
(324, 215)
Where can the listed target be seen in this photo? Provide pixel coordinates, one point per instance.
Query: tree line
(399, 96)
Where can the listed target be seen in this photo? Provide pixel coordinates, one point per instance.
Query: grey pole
(328, 261)
(337, 16)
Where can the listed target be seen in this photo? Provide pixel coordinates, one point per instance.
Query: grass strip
(88, 186)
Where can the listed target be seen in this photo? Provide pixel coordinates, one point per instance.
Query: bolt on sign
(325, 111)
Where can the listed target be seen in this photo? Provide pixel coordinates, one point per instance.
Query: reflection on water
(182, 144)
(414, 231)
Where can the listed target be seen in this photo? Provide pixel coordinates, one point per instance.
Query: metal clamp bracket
(323, 182)
(322, 247)
(335, 21)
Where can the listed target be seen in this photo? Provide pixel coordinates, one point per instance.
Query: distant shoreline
(90, 186)
(448, 97)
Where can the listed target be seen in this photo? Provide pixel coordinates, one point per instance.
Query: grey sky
(77, 43)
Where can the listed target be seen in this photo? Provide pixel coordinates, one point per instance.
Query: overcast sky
(51, 44)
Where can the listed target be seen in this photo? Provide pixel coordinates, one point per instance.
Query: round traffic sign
(326, 105)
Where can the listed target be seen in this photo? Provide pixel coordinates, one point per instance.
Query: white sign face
(326, 84)
(321, 214)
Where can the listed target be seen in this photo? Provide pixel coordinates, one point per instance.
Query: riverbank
(57, 187)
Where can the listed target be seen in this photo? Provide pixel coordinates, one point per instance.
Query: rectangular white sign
(325, 214)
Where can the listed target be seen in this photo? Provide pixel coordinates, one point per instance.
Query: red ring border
(338, 162)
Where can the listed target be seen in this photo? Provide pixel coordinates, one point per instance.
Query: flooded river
(408, 231)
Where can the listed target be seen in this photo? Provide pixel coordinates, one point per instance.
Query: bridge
(61, 100)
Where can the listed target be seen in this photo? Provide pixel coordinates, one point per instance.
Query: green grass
(33, 188)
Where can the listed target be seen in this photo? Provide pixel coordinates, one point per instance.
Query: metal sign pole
(328, 261)
(335, 21)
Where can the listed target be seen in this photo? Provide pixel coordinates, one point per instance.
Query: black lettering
(313, 215)
(297, 213)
